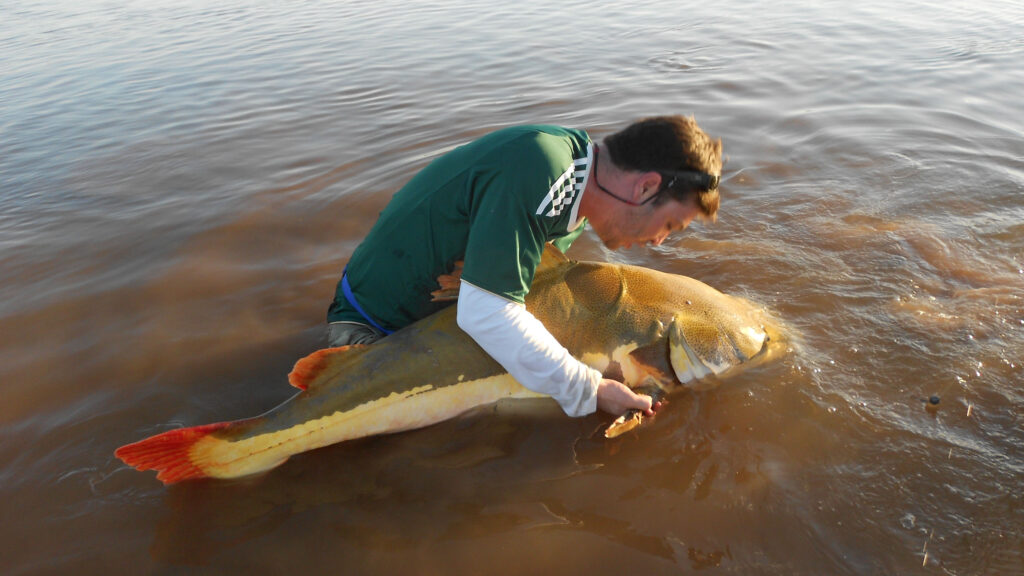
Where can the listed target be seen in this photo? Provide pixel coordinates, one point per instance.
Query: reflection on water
(180, 186)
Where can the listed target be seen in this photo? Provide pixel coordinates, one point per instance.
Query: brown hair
(667, 144)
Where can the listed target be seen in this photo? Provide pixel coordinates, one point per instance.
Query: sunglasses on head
(683, 179)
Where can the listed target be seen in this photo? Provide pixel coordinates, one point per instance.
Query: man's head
(651, 179)
(682, 154)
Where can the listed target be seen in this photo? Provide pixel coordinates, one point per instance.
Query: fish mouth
(699, 348)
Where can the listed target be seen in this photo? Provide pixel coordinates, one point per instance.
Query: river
(181, 185)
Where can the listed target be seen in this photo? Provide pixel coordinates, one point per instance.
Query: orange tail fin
(169, 453)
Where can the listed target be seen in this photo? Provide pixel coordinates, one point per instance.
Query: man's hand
(615, 398)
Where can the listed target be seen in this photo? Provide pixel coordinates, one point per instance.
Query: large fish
(654, 331)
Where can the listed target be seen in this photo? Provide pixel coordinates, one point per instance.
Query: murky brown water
(180, 187)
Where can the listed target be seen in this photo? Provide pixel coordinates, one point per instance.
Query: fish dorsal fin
(551, 258)
(322, 364)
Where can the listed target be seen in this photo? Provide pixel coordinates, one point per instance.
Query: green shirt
(492, 203)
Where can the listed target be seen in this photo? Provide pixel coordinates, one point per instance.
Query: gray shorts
(346, 333)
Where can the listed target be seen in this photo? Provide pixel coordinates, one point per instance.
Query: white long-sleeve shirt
(522, 345)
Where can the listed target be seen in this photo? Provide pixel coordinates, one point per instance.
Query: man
(493, 204)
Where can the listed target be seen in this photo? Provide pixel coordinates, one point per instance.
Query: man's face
(649, 224)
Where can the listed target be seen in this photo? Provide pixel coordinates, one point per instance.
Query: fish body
(640, 326)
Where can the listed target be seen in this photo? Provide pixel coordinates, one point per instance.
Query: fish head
(700, 348)
(646, 327)
(711, 335)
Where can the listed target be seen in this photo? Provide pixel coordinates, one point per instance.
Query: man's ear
(648, 185)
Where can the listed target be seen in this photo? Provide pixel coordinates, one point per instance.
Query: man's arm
(520, 343)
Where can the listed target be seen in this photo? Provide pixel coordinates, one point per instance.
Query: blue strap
(352, 300)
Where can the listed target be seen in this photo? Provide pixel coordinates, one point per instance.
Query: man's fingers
(647, 404)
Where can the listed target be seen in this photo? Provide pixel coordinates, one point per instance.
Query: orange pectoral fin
(449, 284)
(321, 364)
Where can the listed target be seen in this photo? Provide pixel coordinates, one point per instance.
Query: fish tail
(177, 455)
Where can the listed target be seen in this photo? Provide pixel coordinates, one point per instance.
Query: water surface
(180, 186)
